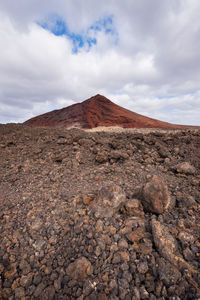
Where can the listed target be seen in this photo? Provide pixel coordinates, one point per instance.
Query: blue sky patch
(86, 38)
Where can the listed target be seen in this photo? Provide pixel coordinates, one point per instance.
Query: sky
(141, 54)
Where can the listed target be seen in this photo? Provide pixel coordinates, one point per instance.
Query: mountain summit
(96, 111)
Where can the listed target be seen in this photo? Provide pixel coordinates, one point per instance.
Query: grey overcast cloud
(142, 54)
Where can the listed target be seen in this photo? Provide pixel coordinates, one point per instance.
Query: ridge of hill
(94, 112)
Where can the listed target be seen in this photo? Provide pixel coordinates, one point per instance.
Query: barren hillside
(95, 112)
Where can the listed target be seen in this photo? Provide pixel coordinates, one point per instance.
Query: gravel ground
(99, 215)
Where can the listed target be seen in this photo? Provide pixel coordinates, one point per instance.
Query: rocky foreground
(99, 215)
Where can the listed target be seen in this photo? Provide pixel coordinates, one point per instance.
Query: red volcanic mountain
(94, 112)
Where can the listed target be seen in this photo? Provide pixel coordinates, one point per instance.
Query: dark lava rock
(142, 267)
(109, 200)
(134, 207)
(48, 293)
(80, 269)
(72, 227)
(168, 273)
(155, 196)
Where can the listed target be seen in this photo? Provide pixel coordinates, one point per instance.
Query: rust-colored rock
(80, 269)
(155, 196)
(134, 207)
(136, 235)
(94, 112)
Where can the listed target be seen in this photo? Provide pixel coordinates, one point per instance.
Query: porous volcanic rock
(53, 244)
(155, 196)
(109, 201)
(94, 112)
(185, 168)
(167, 246)
(80, 269)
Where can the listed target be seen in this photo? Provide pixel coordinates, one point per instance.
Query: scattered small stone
(98, 251)
(15, 284)
(39, 289)
(1, 268)
(122, 243)
(142, 267)
(113, 284)
(136, 293)
(99, 226)
(116, 258)
(88, 198)
(39, 244)
(102, 296)
(19, 293)
(125, 256)
(186, 238)
(11, 272)
(48, 293)
(143, 293)
(37, 279)
(25, 267)
(188, 254)
(36, 224)
(167, 272)
(134, 208)
(26, 280)
(136, 235)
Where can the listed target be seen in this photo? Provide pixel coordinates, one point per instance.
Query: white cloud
(151, 64)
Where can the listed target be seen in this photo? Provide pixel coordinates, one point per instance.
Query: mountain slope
(94, 112)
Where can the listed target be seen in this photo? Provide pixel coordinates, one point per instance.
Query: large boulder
(155, 196)
(81, 268)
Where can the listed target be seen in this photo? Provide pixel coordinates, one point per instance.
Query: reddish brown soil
(94, 112)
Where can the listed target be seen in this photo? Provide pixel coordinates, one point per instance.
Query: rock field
(99, 215)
